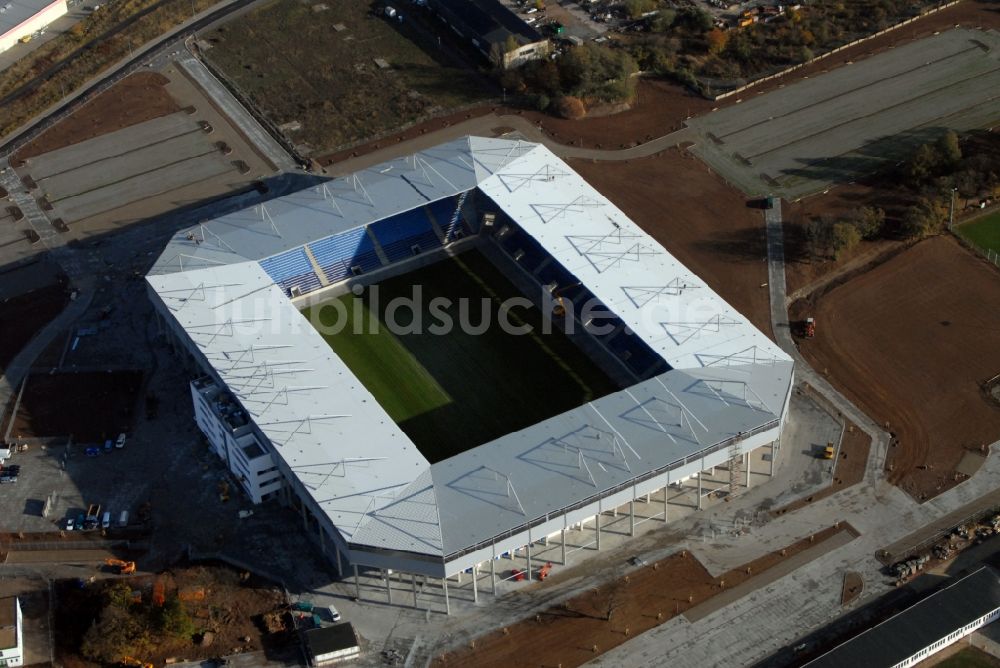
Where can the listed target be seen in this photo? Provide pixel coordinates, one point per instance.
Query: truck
(93, 517)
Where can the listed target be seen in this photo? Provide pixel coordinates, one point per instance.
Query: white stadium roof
(726, 379)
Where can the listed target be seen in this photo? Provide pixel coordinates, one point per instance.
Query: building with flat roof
(703, 386)
(331, 644)
(925, 628)
(11, 632)
(493, 29)
(21, 19)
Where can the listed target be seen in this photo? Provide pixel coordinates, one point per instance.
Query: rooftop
(491, 20)
(726, 380)
(8, 622)
(921, 625)
(15, 12)
(330, 639)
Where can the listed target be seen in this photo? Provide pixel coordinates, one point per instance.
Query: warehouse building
(705, 388)
(922, 630)
(21, 19)
(11, 633)
(495, 31)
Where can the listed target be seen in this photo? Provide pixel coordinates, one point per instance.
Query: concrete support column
(357, 583)
(388, 584)
(631, 518)
(666, 497)
(527, 552)
(322, 541)
(774, 455)
(562, 545)
(447, 603)
(493, 576)
(699, 490)
(748, 470)
(597, 525)
(647, 497)
(340, 562)
(413, 581)
(475, 586)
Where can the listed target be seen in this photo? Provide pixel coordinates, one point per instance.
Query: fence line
(831, 52)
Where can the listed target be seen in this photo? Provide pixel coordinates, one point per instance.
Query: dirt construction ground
(702, 221)
(582, 628)
(911, 341)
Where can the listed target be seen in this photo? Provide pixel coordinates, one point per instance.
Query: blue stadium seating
(337, 254)
(448, 216)
(291, 269)
(397, 235)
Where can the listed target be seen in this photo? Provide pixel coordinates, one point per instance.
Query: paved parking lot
(835, 127)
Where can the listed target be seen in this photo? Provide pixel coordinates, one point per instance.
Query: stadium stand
(337, 255)
(447, 213)
(292, 270)
(399, 234)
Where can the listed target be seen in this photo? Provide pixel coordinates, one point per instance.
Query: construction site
(692, 482)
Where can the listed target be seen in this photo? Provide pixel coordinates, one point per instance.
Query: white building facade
(21, 19)
(11, 633)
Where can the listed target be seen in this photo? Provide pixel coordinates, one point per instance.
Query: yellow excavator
(134, 663)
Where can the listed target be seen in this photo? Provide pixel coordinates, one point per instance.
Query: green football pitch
(983, 232)
(454, 391)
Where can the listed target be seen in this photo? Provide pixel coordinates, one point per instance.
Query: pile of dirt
(575, 632)
(225, 609)
(138, 98)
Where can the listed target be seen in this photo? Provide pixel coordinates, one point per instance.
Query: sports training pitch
(455, 391)
(849, 122)
(983, 232)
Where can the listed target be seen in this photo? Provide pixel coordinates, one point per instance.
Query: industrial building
(704, 387)
(495, 31)
(11, 632)
(21, 19)
(925, 628)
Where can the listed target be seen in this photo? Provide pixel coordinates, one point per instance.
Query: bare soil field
(92, 406)
(575, 632)
(330, 73)
(698, 218)
(25, 314)
(230, 608)
(910, 341)
(137, 98)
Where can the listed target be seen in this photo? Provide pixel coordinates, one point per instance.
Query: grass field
(451, 392)
(983, 232)
(313, 62)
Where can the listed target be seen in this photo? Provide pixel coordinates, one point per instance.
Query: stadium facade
(294, 423)
(21, 19)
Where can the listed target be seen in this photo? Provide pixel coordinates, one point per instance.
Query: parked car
(92, 451)
(108, 445)
(120, 443)
(334, 614)
(79, 522)
(70, 524)
(106, 519)
(6, 478)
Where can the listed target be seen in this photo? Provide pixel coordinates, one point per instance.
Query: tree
(117, 633)
(636, 8)
(173, 619)
(868, 221)
(571, 107)
(819, 236)
(696, 19)
(844, 237)
(663, 21)
(717, 40)
(923, 219)
(923, 165)
(948, 150)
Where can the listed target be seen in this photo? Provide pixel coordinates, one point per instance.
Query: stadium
(438, 454)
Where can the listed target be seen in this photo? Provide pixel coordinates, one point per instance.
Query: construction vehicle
(544, 571)
(828, 451)
(810, 328)
(135, 663)
(124, 567)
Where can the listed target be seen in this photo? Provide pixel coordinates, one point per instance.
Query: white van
(106, 520)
